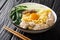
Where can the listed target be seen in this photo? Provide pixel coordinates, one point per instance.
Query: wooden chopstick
(16, 33)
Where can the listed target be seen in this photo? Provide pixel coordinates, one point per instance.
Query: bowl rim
(39, 4)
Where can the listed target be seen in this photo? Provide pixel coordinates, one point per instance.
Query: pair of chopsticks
(16, 33)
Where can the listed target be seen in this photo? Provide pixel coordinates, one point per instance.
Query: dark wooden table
(5, 7)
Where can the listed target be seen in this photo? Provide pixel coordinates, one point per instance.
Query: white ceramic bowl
(37, 6)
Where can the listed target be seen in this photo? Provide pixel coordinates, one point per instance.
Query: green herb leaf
(16, 14)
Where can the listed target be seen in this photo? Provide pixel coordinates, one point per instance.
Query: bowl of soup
(33, 17)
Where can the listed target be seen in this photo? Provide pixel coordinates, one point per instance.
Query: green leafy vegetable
(16, 14)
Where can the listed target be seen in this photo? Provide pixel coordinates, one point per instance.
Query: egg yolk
(34, 16)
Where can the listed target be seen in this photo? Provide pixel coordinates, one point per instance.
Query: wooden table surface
(5, 7)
